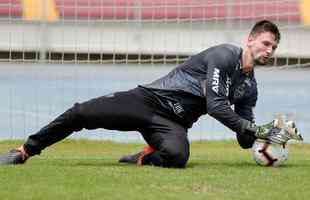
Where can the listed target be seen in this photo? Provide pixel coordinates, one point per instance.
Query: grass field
(81, 169)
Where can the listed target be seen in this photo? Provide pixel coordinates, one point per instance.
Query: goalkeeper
(163, 111)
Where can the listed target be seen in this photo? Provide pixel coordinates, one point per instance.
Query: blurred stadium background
(57, 52)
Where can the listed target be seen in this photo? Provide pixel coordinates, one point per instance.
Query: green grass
(89, 170)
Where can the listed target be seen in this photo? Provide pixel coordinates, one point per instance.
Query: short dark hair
(266, 26)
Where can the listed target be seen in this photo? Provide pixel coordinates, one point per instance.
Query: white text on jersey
(215, 80)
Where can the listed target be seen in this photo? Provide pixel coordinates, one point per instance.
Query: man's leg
(169, 145)
(117, 112)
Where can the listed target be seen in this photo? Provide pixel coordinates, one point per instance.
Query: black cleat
(138, 157)
(131, 159)
(13, 157)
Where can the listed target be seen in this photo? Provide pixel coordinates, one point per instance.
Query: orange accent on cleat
(23, 151)
(137, 158)
(146, 151)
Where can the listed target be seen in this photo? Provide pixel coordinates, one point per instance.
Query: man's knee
(82, 115)
(175, 157)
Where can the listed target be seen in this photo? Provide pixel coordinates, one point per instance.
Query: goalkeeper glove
(277, 131)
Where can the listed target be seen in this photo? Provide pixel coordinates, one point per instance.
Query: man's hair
(266, 26)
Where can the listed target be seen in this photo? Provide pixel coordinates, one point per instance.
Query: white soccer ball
(269, 154)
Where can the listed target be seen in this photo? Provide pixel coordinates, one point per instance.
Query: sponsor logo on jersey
(215, 80)
(177, 108)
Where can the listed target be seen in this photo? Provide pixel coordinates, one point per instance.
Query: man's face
(262, 47)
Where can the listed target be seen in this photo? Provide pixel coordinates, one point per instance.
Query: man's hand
(278, 131)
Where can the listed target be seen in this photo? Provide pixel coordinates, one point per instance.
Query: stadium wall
(89, 29)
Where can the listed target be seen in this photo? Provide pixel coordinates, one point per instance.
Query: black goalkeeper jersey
(209, 83)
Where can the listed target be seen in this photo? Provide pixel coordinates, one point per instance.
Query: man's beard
(258, 62)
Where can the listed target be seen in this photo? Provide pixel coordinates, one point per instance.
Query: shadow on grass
(190, 165)
(241, 164)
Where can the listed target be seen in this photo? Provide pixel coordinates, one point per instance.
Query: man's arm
(220, 62)
(245, 111)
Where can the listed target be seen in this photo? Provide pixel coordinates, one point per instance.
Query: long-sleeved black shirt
(209, 83)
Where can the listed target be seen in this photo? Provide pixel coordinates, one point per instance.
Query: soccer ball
(269, 154)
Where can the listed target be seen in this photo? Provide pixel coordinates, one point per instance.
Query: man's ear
(250, 39)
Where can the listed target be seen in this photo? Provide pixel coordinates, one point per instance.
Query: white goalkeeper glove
(278, 131)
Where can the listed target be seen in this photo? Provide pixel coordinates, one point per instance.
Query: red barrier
(144, 9)
(179, 9)
(273, 10)
(167, 9)
(11, 8)
(10, 2)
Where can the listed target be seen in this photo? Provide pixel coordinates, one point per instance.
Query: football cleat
(14, 157)
(137, 158)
